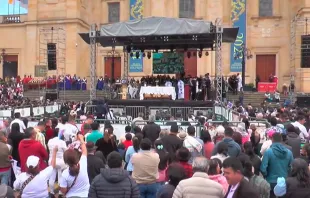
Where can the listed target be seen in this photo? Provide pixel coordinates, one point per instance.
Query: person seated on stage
(132, 89)
(268, 97)
(276, 96)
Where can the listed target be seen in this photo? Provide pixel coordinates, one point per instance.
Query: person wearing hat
(33, 182)
(172, 142)
(183, 155)
(94, 163)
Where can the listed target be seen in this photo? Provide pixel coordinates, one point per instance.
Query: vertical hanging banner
(238, 18)
(136, 12)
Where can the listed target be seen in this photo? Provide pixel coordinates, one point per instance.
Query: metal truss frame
(292, 57)
(53, 34)
(218, 61)
(93, 62)
(126, 63)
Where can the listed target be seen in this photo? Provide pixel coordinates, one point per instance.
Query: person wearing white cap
(33, 182)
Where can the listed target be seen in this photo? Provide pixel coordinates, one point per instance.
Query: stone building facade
(268, 26)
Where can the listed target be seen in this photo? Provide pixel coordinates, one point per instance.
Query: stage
(160, 103)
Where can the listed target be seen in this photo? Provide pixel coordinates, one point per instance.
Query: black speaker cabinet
(303, 101)
(51, 96)
(51, 56)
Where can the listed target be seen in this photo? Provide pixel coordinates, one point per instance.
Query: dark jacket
(233, 148)
(294, 190)
(112, 183)
(94, 164)
(15, 138)
(151, 131)
(294, 141)
(244, 190)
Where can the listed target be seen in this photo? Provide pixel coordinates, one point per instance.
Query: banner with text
(238, 18)
(136, 12)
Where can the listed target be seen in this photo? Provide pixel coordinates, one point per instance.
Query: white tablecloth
(158, 90)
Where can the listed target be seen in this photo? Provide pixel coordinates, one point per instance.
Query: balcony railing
(11, 19)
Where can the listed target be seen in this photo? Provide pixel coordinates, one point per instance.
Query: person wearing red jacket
(49, 131)
(29, 146)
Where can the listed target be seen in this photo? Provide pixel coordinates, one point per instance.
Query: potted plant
(248, 87)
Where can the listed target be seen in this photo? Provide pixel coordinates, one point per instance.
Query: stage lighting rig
(143, 54)
(200, 54)
(207, 53)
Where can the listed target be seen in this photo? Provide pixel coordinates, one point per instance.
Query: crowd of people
(59, 159)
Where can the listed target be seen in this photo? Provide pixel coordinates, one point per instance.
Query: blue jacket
(233, 148)
(276, 162)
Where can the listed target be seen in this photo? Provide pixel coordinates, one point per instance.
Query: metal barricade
(132, 112)
(27, 111)
(165, 125)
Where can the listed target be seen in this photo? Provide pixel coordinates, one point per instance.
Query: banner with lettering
(238, 18)
(136, 12)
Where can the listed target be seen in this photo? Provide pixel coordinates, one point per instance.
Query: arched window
(13, 7)
(187, 8)
(265, 8)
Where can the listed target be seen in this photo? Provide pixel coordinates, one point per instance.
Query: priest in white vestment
(239, 81)
(180, 89)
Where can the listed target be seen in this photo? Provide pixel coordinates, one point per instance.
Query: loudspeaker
(51, 96)
(51, 56)
(303, 101)
(305, 51)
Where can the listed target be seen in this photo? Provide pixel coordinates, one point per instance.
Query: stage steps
(70, 95)
(255, 98)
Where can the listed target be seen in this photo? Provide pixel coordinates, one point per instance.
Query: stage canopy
(161, 33)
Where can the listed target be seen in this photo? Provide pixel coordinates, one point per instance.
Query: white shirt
(81, 186)
(37, 187)
(22, 126)
(232, 191)
(266, 145)
(62, 147)
(69, 130)
(303, 131)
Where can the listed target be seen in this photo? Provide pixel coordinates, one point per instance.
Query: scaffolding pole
(57, 35)
(125, 76)
(218, 61)
(93, 38)
(292, 59)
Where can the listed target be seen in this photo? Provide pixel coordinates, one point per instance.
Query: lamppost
(2, 55)
(243, 53)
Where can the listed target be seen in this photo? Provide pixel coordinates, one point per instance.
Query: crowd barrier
(27, 111)
(133, 111)
(165, 125)
(225, 114)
